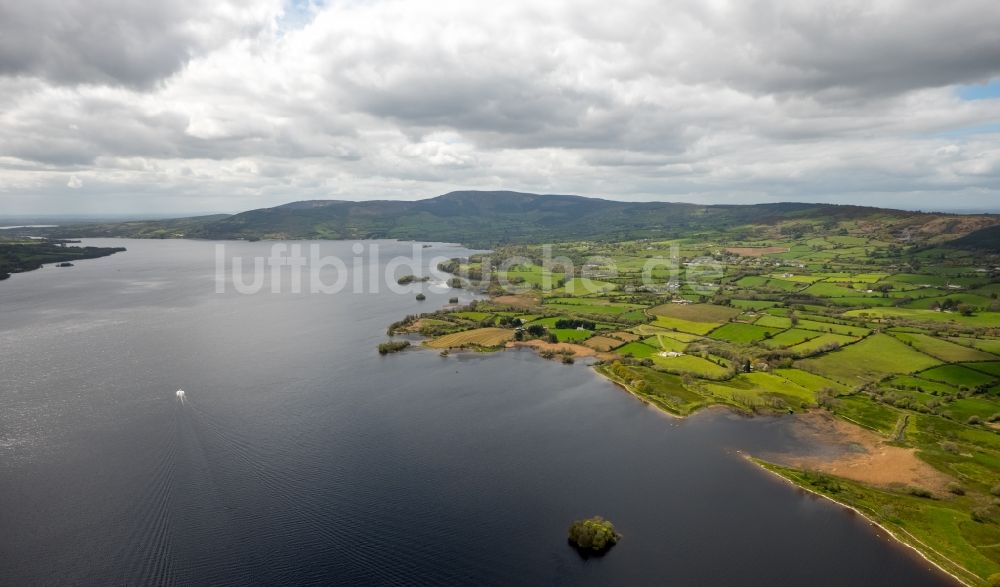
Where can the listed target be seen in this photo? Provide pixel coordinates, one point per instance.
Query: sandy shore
(863, 456)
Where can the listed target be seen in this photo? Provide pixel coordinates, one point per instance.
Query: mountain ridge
(496, 217)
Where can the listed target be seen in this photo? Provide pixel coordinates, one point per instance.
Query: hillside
(986, 239)
(489, 218)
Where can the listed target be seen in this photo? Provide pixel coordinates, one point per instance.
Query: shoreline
(960, 574)
(766, 466)
(763, 465)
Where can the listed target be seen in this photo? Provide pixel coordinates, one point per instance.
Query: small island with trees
(593, 535)
(408, 279)
(393, 346)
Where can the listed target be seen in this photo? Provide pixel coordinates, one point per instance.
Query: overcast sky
(178, 106)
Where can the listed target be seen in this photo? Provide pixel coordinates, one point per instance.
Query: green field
(942, 349)
(790, 337)
(741, 333)
(664, 390)
(571, 334)
(921, 384)
(691, 364)
(700, 328)
(753, 304)
(637, 350)
(820, 341)
(666, 343)
(811, 381)
(762, 390)
(991, 367)
(871, 359)
(980, 320)
(958, 376)
(863, 412)
(989, 345)
(781, 322)
(832, 328)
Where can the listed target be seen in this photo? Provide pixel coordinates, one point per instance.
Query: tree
(595, 534)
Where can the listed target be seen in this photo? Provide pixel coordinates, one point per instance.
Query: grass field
(790, 337)
(665, 343)
(700, 328)
(942, 349)
(832, 328)
(753, 304)
(741, 333)
(770, 321)
(920, 384)
(637, 350)
(690, 364)
(581, 286)
(695, 312)
(481, 337)
(811, 381)
(571, 334)
(474, 316)
(958, 376)
(661, 389)
(982, 407)
(862, 411)
(980, 320)
(991, 367)
(873, 358)
(762, 390)
(989, 345)
(820, 341)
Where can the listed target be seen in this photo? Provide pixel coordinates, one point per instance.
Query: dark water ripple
(302, 457)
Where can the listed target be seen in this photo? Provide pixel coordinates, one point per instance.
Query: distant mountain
(487, 218)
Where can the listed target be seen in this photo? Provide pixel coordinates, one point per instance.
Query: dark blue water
(301, 456)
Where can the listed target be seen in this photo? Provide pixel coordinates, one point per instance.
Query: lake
(302, 456)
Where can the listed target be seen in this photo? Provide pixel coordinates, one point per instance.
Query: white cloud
(218, 107)
(74, 182)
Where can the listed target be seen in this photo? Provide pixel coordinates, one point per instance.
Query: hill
(986, 239)
(489, 218)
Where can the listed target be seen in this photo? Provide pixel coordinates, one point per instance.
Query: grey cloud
(719, 101)
(852, 50)
(115, 42)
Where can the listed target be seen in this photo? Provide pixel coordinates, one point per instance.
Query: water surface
(301, 456)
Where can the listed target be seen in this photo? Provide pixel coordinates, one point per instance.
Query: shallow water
(301, 456)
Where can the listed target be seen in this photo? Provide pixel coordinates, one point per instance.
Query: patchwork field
(479, 337)
(869, 360)
(942, 349)
(902, 342)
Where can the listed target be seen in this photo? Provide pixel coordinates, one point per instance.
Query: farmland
(479, 337)
(851, 325)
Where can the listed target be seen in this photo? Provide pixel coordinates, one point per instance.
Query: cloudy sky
(178, 106)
